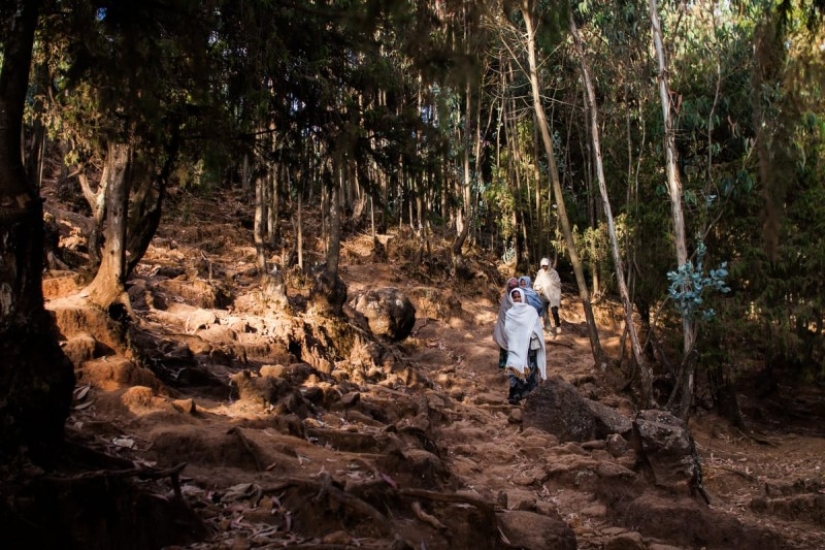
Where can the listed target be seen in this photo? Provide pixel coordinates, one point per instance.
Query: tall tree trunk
(259, 224)
(273, 229)
(618, 264)
(36, 378)
(674, 184)
(540, 244)
(530, 19)
(108, 286)
(334, 250)
(300, 229)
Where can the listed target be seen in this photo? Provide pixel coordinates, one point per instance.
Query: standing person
(532, 296)
(499, 336)
(526, 352)
(548, 285)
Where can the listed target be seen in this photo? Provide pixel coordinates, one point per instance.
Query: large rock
(388, 311)
(557, 407)
(609, 421)
(666, 444)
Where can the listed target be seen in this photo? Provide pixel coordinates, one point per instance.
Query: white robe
(521, 322)
(499, 336)
(548, 284)
(498, 332)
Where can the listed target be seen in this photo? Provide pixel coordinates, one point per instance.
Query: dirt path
(319, 461)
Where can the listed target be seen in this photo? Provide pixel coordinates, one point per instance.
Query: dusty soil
(366, 444)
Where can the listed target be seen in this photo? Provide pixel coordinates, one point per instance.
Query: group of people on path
(523, 316)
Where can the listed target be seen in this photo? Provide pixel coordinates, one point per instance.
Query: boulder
(666, 445)
(557, 407)
(608, 420)
(388, 311)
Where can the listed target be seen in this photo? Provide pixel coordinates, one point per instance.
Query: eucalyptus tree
(595, 135)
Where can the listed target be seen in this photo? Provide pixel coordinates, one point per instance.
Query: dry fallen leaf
(80, 392)
(84, 405)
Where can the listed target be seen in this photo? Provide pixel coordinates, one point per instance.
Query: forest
(665, 155)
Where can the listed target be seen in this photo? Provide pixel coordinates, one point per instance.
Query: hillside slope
(354, 442)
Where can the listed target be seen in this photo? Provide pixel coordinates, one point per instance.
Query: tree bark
(108, 286)
(36, 378)
(530, 20)
(674, 184)
(618, 264)
(273, 230)
(96, 199)
(259, 227)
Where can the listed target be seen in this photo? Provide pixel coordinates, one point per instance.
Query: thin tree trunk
(245, 173)
(260, 224)
(334, 250)
(300, 230)
(646, 373)
(674, 185)
(273, 230)
(595, 345)
(539, 245)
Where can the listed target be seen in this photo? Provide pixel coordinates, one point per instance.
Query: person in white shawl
(526, 352)
(548, 286)
(498, 332)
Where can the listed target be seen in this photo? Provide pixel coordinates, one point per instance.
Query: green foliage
(689, 283)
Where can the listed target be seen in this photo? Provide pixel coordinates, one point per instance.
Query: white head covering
(506, 303)
(522, 321)
(544, 262)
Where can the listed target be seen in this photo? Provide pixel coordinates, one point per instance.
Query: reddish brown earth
(418, 449)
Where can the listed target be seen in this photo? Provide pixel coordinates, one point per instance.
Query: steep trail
(328, 467)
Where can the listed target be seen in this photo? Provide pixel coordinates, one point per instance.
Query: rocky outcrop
(665, 443)
(388, 311)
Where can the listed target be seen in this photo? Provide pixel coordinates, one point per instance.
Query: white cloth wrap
(548, 284)
(498, 332)
(521, 322)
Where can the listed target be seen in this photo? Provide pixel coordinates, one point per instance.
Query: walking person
(532, 296)
(548, 285)
(526, 352)
(499, 336)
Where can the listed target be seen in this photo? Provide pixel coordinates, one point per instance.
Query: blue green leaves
(689, 283)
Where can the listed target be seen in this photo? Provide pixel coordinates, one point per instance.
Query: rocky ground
(250, 428)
